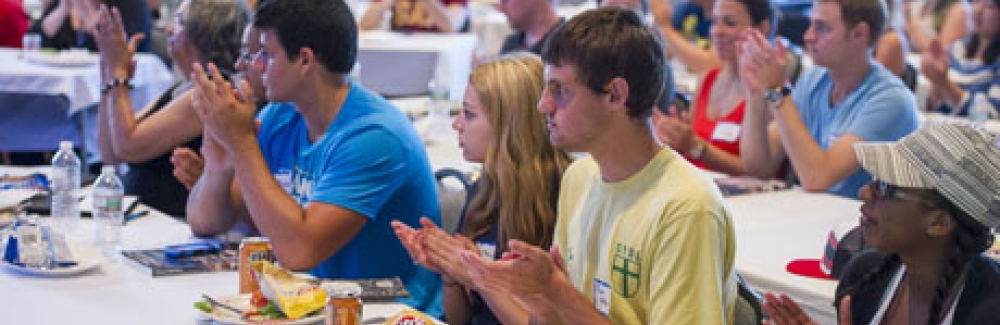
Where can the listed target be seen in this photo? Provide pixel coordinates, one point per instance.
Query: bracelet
(117, 82)
(698, 152)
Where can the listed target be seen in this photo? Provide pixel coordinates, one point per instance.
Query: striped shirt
(974, 77)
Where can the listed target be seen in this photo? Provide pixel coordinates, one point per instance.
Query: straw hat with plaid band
(959, 161)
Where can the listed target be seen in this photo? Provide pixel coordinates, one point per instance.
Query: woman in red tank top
(709, 136)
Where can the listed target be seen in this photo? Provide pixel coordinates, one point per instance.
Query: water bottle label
(108, 203)
(113, 204)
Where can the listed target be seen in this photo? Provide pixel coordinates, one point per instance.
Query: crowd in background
(267, 132)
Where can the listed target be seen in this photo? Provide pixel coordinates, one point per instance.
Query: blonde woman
(515, 198)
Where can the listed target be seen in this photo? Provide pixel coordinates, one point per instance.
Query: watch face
(772, 95)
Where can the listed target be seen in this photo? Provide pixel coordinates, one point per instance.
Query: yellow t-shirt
(658, 246)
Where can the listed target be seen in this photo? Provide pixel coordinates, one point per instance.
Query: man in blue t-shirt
(332, 164)
(849, 99)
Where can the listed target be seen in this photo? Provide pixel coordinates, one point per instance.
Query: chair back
(909, 76)
(452, 198)
(749, 310)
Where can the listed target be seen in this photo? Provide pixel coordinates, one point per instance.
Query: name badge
(487, 250)
(726, 131)
(602, 296)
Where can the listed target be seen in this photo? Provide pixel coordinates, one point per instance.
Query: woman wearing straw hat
(929, 214)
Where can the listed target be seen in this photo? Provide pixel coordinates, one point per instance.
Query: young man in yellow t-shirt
(643, 235)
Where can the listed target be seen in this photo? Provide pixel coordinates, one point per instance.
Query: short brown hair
(608, 43)
(871, 12)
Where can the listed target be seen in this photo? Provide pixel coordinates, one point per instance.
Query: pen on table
(133, 216)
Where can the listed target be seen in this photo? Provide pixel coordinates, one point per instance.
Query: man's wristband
(698, 151)
(115, 83)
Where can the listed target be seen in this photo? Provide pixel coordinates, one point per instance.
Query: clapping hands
(436, 250)
(524, 270)
(784, 311)
(934, 62)
(228, 115)
(674, 129)
(761, 65)
(116, 53)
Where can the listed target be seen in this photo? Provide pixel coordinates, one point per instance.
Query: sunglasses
(886, 191)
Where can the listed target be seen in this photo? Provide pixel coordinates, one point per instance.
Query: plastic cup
(31, 42)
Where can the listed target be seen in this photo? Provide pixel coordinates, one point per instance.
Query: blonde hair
(522, 171)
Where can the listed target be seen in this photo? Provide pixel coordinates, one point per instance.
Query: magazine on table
(739, 185)
(213, 256)
(199, 257)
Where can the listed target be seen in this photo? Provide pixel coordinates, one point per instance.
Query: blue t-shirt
(371, 161)
(689, 19)
(880, 109)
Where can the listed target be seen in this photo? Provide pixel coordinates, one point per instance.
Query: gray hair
(215, 28)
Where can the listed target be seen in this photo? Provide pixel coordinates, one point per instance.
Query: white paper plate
(226, 317)
(87, 259)
(63, 59)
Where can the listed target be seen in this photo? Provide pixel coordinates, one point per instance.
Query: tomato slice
(257, 299)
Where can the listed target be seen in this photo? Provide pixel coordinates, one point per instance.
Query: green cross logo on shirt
(626, 268)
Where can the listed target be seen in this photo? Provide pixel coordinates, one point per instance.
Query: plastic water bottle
(980, 109)
(65, 186)
(108, 210)
(439, 113)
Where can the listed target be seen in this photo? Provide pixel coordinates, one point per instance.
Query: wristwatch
(774, 96)
(698, 151)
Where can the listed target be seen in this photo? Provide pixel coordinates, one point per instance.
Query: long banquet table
(122, 293)
(39, 101)
(775, 228)
(771, 229)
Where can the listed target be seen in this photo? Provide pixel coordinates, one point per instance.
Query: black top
(153, 180)
(515, 42)
(135, 17)
(480, 313)
(977, 305)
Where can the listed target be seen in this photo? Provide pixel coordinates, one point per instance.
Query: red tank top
(723, 133)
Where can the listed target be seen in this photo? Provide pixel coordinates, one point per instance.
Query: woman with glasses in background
(206, 31)
(929, 215)
(188, 164)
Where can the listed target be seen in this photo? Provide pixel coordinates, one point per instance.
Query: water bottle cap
(107, 169)
(65, 145)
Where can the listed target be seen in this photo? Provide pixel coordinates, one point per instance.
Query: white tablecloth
(454, 55)
(38, 102)
(80, 85)
(121, 293)
(775, 228)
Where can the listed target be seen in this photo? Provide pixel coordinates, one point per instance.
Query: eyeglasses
(179, 22)
(886, 191)
(246, 56)
(263, 55)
